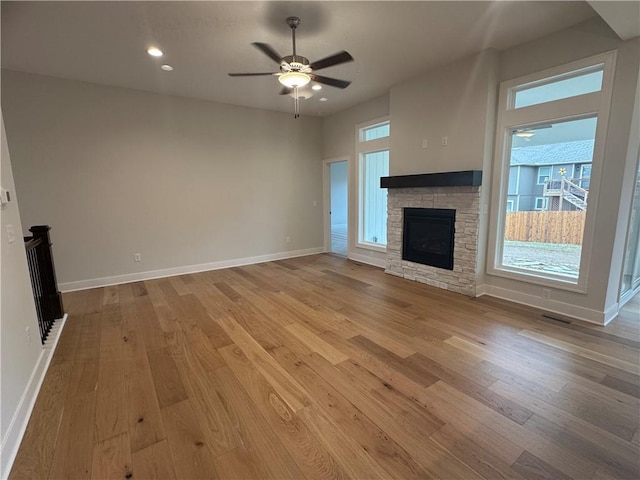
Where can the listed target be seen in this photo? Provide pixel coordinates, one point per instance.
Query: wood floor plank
(270, 457)
(192, 457)
(153, 463)
(237, 463)
(316, 344)
(474, 455)
(215, 424)
(112, 458)
(625, 365)
(390, 455)
(310, 454)
(73, 455)
(292, 393)
(554, 453)
(166, 378)
(145, 421)
(35, 461)
(356, 462)
(321, 367)
(532, 467)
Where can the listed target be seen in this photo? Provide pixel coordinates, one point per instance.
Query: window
(373, 154)
(562, 86)
(541, 203)
(585, 175)
(544, 174)
(375, 132)
(567, 127)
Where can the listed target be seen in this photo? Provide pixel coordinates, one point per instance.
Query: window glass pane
(544, 228)
(374, 198)
(562, 88)
(375, 132)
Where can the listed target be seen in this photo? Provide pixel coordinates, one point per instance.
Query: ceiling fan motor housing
(296, 63)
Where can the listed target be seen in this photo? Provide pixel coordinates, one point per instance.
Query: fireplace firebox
(428, 236)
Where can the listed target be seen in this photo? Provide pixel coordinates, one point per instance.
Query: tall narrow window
(373, 154)
(550, 129)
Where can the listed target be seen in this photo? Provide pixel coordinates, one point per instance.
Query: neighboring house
(550, 177)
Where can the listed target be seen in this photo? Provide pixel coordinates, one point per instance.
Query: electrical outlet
(445, 141)
(28, 332)
(137, 257)
(287, 239)
(11, 234)
(425, 143)
(546, 293)
(315, 204)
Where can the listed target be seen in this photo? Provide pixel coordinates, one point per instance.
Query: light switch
(11, 234)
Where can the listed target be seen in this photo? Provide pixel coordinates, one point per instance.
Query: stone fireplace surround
(450, 190)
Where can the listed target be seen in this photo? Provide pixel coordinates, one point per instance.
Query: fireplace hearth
(428, 236)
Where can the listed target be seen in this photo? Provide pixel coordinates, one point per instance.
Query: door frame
(326, 200)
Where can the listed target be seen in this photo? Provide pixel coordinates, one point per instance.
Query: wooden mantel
(468, 178)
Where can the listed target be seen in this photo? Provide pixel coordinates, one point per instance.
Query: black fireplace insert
(428, 236)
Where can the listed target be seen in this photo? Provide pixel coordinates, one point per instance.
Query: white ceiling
(106, 42)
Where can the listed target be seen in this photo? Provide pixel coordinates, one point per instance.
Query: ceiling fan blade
(332, 82)
(285, 91)
(250, 74)
(268, 51)
(335, 59)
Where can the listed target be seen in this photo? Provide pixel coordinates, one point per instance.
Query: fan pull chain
(296, 103)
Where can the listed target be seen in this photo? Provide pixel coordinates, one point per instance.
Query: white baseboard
(376, 262)
(552, 306)
(20, 420)
(171, 272)
(611, 313)
(481, 290)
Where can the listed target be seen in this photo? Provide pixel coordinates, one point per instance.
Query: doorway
(338, 206)
(631, 269)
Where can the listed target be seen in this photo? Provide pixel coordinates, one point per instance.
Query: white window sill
(538, 278)
(376, 247)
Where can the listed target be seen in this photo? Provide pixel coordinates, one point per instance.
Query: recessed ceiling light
(155, 52)
(323, 99)
(317, 87)
(166, 68)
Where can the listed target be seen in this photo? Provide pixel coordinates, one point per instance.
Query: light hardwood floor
(319, 367)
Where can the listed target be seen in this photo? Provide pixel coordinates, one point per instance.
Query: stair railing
(47, 298)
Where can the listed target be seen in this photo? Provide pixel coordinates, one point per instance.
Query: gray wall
(183, 182)
(18, 358)
(451, 101)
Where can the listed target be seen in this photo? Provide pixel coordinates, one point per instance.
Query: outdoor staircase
(569, 190)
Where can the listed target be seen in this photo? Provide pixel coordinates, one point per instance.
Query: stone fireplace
(456, 191)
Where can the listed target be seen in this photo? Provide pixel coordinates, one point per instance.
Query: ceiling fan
(297, 71)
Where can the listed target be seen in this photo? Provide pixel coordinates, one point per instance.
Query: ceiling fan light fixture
(294, 79)
(524, 133)
(155, 52)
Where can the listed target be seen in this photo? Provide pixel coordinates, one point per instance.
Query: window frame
(509, 118)
(512, 203)
(565, 75)
(545, 204)
(364, 147)
(548, 176)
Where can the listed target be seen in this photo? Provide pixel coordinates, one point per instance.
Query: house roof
(580, 151)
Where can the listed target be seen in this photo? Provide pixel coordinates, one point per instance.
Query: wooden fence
(545, 227)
